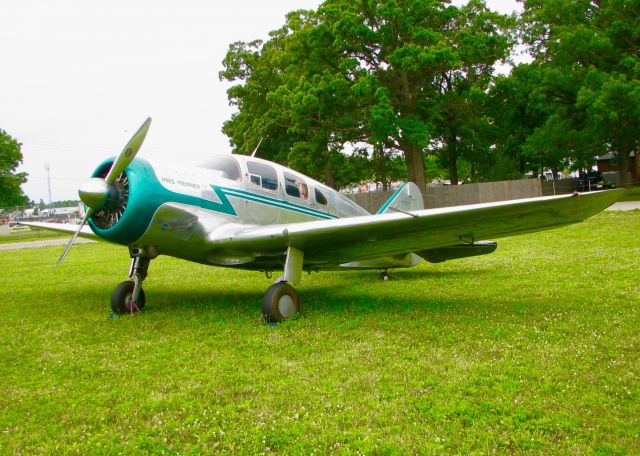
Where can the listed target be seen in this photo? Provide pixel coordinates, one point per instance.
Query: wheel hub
(285, 306)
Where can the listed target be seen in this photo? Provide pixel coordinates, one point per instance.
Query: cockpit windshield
(226, 165)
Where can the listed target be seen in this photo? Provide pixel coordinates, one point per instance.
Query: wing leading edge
(63, 228)
(334, 242)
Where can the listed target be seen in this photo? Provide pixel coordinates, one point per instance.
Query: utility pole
(46, 167)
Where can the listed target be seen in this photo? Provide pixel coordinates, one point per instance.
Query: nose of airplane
(94, 192)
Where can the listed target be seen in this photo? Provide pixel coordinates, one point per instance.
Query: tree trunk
(329, 180)
(623, 157)
(418, 162)
(453, 161)
(415, 166)
(381, 165)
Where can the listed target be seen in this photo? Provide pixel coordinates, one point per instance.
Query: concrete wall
(456, 195)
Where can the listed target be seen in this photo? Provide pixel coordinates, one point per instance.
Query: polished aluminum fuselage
(217, 206)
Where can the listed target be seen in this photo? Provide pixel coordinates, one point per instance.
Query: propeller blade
(75, 236)
(128, 153)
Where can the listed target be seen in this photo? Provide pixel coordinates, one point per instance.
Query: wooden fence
(456, 195)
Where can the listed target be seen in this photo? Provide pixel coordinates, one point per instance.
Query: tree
(589, 53)
(519, 108)
(422, 65)
(399, 75)
(10, 181)
(295, 99)
(478, 39)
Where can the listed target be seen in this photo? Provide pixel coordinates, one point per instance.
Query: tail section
(406, 199)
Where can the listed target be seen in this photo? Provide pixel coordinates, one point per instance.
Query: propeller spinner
(98, 192)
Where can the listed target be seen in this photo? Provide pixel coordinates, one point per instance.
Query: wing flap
(455, 252)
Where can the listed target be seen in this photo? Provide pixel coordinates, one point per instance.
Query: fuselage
(169, 209)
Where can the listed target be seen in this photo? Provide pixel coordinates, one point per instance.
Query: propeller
(97, 191)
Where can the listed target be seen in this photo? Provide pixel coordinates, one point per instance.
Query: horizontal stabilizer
(458, 251)
(406, 199)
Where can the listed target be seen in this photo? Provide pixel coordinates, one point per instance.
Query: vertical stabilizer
(406, 199)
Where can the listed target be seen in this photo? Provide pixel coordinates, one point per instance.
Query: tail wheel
(121, 299)
(280, 302)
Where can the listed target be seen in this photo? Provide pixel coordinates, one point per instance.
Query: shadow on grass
(399, 275)
(339, 298)
(332, 295)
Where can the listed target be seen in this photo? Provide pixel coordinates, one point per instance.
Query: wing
(63, 228)
(329, 243)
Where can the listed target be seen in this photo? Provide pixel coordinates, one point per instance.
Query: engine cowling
(129, 203)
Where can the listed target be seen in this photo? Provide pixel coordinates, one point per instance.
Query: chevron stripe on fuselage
(273, 202)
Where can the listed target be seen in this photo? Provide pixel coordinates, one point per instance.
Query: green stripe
(282, 205)
(147, 194)
(276, 203)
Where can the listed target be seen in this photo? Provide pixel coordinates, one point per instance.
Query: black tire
(280, 302)
(121, 299)
(384, 276)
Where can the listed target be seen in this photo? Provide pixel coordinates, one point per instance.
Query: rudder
(406, 199)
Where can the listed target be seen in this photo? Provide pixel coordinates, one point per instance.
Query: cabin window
(320, 198)
(295, 186)
(263, 175)
(227, 166)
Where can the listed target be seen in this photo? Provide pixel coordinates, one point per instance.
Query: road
(625, 206)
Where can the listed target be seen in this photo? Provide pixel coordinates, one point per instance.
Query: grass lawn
(534, 349)
(633, 194)
(30, 234)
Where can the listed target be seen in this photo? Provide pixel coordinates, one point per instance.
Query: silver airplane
(243, 212)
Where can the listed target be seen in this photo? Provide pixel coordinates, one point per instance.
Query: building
(608, 163)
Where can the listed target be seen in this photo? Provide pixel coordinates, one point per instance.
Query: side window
(320, 198)
(294, 186)
(227, 166)
(263, 175)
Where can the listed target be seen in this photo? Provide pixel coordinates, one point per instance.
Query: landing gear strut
(281, 300)
(128, 296)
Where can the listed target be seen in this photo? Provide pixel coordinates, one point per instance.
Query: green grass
(30, 234)
(534, 349)
(633, 194)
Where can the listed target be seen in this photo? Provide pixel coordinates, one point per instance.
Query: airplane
(244, 212)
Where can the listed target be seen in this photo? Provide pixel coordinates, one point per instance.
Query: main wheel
(280, 302)
(384, 276)
(121, 299)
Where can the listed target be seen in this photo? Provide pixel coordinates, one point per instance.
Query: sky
(80, 76)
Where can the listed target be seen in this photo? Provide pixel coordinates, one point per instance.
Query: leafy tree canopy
(402, 76)
(588, 53)
(10, 181)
